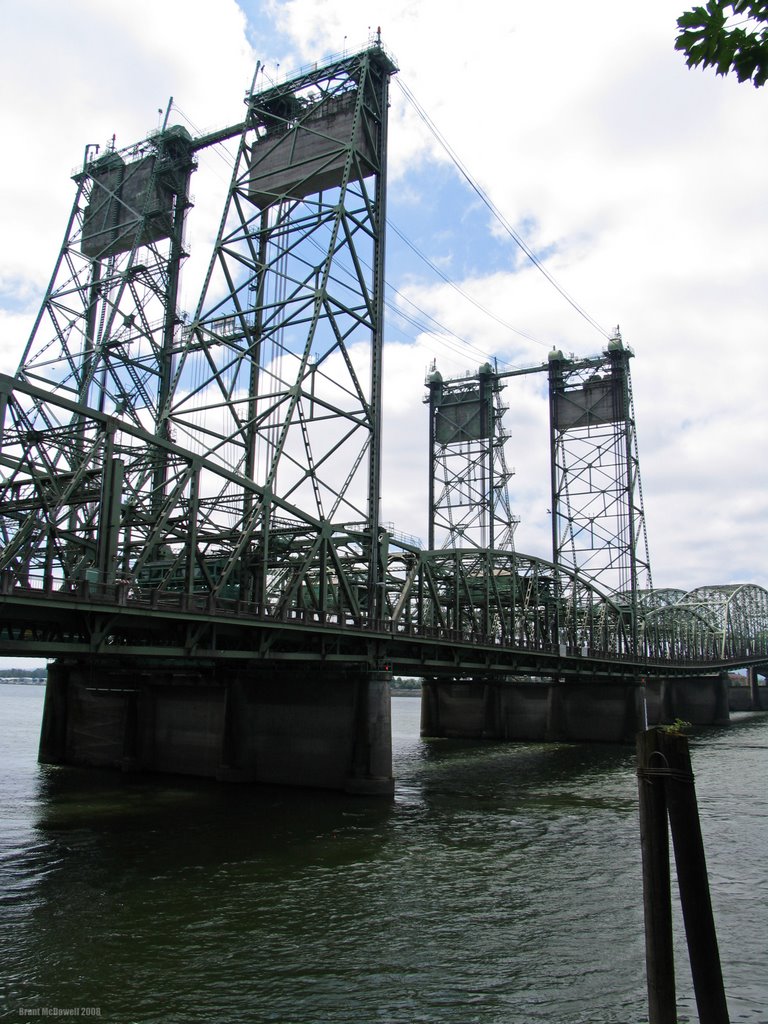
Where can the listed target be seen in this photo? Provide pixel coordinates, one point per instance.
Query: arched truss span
(507, 598)
(647, 600)
(715, 622)
(200, 542)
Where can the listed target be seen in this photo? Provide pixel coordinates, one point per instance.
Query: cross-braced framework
(598, 522)
(715, 622)
(104, 336)
(168, 480)
(500, 601)
(469, 502)
(648, 600)
(103, 340)
(278, 376)
(195, 453)
(504, 598)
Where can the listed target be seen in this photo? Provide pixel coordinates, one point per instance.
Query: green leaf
(697, 18)
(705, 40)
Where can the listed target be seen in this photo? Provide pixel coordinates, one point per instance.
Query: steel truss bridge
(456, 611)
(205, 485)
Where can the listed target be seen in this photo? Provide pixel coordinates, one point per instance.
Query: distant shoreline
(40, 681)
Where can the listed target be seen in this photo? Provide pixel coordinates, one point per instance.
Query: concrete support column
(371, 772)
(554, 729)
(666, 703)
(430, 709)
(635, 712)
(722, 710)
(754, 692)
(147, 712)
(700, 700)
(233, 753)
(53, 732)
(132, 735)
(491, 725)
(301, 726)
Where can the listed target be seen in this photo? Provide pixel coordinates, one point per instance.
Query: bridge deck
(108, 621)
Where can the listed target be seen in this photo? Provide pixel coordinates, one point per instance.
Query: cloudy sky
(639, 183)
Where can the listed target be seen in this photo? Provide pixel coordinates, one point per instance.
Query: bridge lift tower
(469, 502)
(273, 381)
(598, 520)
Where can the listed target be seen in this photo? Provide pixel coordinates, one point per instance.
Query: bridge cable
(429, 325)
(460, 290)
(223, 153)
(488, 202)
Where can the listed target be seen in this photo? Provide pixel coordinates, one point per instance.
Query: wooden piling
(693, 881)
(667, 789)
(657, 901)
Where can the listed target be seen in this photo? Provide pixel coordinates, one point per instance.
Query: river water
(502, 886)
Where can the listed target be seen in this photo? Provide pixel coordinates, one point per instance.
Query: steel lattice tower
(598, 522)
(285, 345)
(468, 496)
(195, 451)
(103, 343)
(279, 373)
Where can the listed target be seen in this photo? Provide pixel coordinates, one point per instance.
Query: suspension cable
(478, 305)
(488, 202)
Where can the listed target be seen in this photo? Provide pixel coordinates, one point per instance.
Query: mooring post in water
(664, 763)
(657, 900)
(693, 882)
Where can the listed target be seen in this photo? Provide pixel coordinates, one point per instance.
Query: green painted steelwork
(206, 486)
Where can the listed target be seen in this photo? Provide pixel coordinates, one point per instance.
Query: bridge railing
(124, 595)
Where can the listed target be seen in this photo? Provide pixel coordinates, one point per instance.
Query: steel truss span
(318, 583)
(717, 622)
(318, 573)
(468, 607)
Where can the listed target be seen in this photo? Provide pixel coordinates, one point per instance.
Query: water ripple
(502, 886)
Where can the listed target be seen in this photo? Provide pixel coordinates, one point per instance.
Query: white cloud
(86, 70)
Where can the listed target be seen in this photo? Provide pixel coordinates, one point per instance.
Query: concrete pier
(751, 696)
(576, 711)
(306, 725)
(700, 700)
(543, 711)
